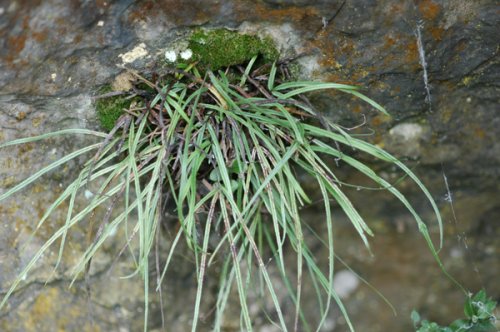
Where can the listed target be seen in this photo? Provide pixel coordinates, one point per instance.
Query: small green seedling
(479, 317)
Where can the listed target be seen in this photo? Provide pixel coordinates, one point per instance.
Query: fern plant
(225, 149)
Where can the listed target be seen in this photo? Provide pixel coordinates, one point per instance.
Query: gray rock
(345, 283)
(55, 53)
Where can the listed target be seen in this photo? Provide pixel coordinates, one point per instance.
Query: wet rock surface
(54, 54)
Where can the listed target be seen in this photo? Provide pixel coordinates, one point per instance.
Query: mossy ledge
(212, 49)
(220, 48)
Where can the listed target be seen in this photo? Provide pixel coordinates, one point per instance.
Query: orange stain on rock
(429, 9)
(327, 50)
(376, 121)
(437, 33)
(282, 14)
(141, 12)
(389, 42)
(411, 56)
(397, 8)
(356, 109)
(190, 12)
(331, 50)
(102, 3)
(39, 36)
(16, 43)
(20, 116)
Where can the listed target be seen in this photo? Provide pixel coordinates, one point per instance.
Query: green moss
(221, 48)
(110, 109)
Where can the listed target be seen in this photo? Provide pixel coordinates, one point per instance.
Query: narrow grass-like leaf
(47, 169)
(272, 77)
(201, 273)
(53, 134)
(247, 71)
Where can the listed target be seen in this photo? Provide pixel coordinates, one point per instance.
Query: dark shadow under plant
(225, 149)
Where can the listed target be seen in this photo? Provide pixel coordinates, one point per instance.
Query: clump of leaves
(479, 317)
(225, 149)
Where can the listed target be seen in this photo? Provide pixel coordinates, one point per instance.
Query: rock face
(54, 54)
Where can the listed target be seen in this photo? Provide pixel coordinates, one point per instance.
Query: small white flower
(186, 54)
(170, 55)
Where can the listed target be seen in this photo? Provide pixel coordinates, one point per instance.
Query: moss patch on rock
(219, 48)
(110, 109)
